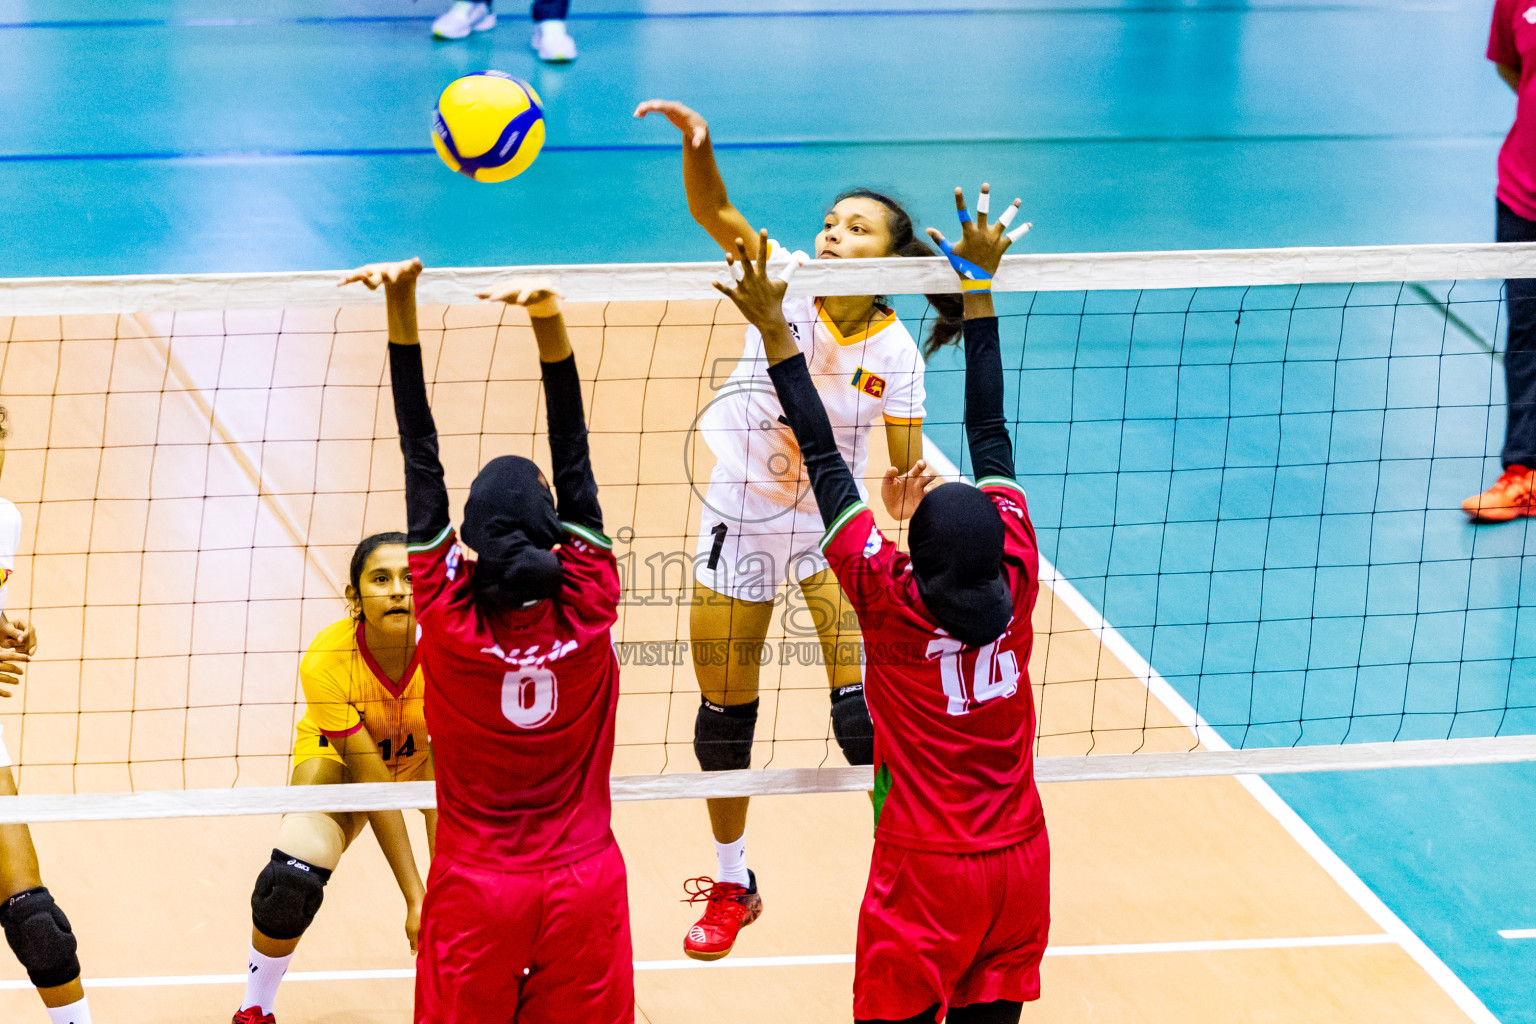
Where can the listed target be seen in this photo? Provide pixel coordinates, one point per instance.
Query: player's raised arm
(707, 200)
(761, 300)
(426, 496)
(976, 259)
(575, 486)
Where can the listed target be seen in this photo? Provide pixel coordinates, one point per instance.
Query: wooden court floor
(191, 489)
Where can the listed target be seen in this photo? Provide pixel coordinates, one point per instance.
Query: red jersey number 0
(528, 697)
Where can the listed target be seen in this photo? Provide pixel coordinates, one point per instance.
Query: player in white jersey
(760, 526)
(35, 928)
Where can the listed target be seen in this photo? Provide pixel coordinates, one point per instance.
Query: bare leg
(314, 837)
(720, 628)
(18, 873)
(837, 625)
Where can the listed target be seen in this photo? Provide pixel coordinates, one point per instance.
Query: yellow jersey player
(365, 723)
(35, 928)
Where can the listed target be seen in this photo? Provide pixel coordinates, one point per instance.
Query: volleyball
(488, 126)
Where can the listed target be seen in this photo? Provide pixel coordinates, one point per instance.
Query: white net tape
(379, 796)
(649, 282)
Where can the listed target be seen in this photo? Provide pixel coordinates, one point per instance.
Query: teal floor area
(1258, 488)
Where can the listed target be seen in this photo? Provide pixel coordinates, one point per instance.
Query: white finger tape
(984, 202)
(1018, 232)
(1009, 214)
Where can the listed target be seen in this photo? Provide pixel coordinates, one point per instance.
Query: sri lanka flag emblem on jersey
(869, 383)
(5, 575)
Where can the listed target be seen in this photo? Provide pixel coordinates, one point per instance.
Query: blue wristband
(972, 277)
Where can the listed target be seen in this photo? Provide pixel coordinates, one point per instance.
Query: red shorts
(951, 929)
(531, 947)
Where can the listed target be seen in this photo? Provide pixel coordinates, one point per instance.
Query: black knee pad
(851, 725)
(287, 896)
(40, 936)
(722, 735)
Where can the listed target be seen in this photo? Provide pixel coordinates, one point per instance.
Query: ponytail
(944, 328)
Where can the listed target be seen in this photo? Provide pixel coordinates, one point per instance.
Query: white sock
(266, 973)
(75, 1013)
(732, 858)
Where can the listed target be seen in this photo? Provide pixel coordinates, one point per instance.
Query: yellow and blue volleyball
(488, 126)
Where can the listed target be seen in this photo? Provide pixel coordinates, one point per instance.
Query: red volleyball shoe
(1509, 498)
(728, 908)
(253, 1015)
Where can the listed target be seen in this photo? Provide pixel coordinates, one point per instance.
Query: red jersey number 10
(994, 676)
(528, 697)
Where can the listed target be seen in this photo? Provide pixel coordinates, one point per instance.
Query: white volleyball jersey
(872, 376)
(10, 540)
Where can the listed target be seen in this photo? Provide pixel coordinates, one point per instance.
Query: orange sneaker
(1509, 498)
(253, 1015)
(728, 909)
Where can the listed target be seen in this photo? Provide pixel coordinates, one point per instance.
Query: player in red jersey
(955, 916)
(526, 915)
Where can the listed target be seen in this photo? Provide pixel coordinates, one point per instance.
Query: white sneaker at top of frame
(464, 17)
(553, 43)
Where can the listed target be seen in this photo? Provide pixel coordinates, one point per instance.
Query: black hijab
(510, 521)
(956, 538)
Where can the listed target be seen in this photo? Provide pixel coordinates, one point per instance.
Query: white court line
(815, 960)
(1518, 933)
(1261, 791)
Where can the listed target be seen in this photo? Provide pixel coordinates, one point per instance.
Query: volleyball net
(1245, 469)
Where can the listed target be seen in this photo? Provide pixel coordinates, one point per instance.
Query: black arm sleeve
(986, 430)
(830, 477)
(426, 496)
(575, 486)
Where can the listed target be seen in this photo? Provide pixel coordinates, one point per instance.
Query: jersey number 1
(996, 675)
(528, 697)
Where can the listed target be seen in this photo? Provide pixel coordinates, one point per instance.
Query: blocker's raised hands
(759, 297)
(538, 295)
(399, 283)
(386, 275)
(979, 252)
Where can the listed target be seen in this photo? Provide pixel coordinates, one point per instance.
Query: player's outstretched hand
(386, 274)
(538, 295)
(686, 120)
(759, 297)
(980, 250)
(13, 664)
(902, 491)
(18, 635)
